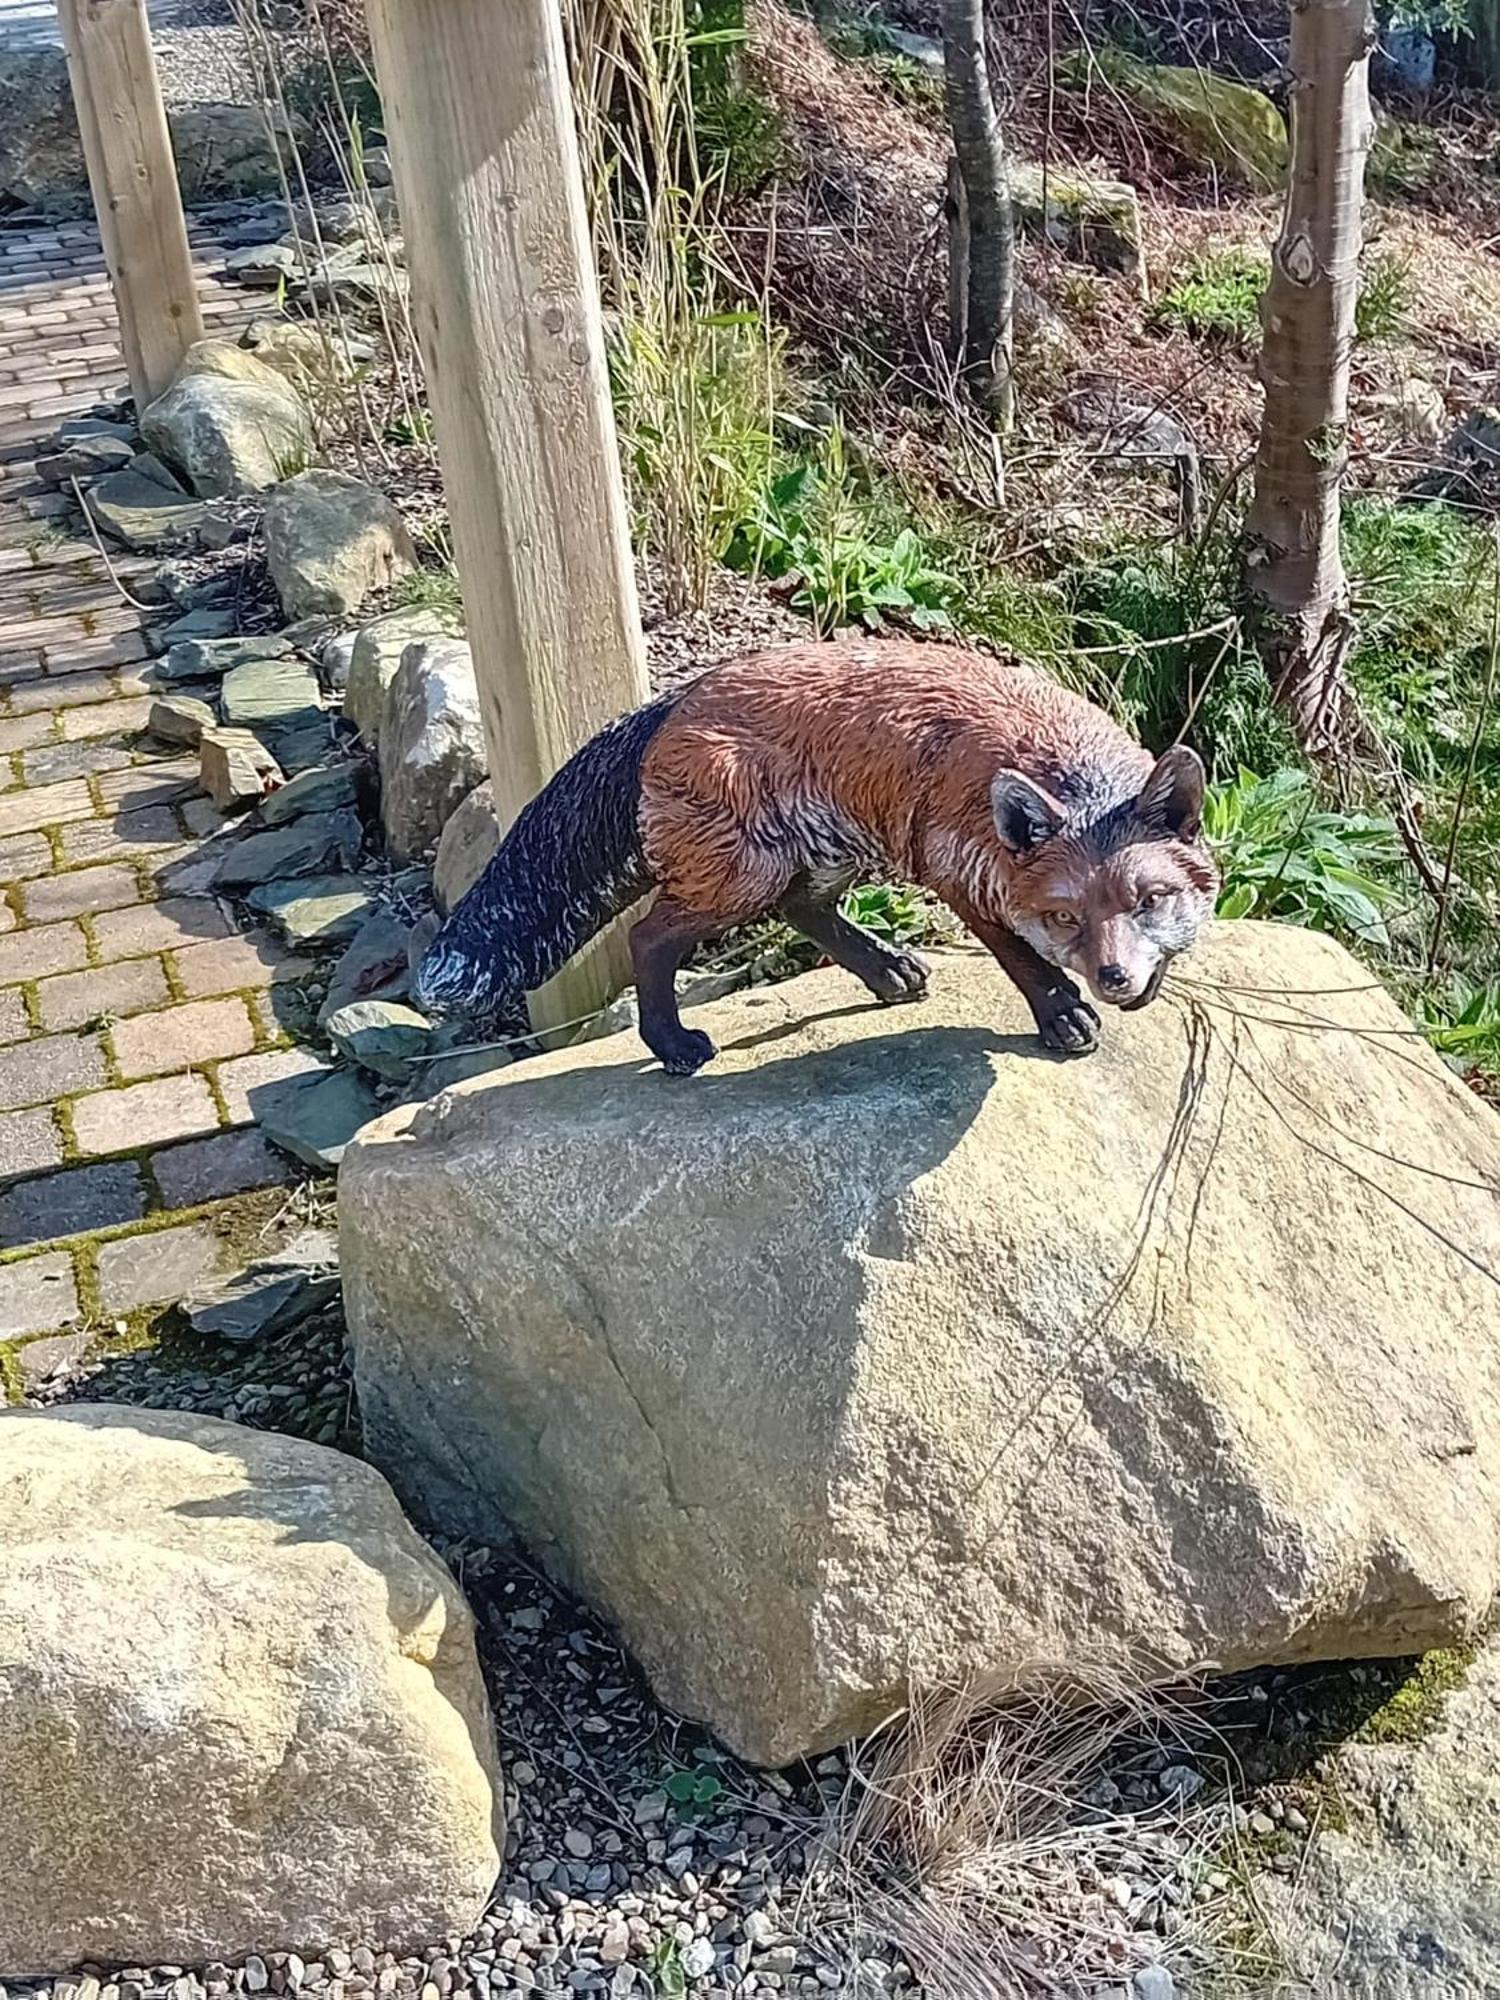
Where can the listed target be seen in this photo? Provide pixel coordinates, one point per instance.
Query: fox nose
(1113, 978)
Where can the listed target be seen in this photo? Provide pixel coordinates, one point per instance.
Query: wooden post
(479, 119)
(128, 150)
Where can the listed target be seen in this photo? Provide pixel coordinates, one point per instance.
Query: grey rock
(377, 165)
(84, 459)
(179, 718)
(1095, 221)
(1154, 1982)
(263, 263)
(330, 541)
(223, 149)
(323, 789)
(41, 155)
(335, 658)
(357, 283)
(191, 590)
(698, 1959)
(376, 654)
(381, 1036)
(273, 1295)
(235, 768)
(200, 623)
(311, 846)
(146, 465)
(432, 749)
(315, 1117)
(143, 515)
(465, 847)
(326, 909)
(229, 433)
(208, 659)
(91, 427)
(272, 696)
(307, 1652)
(374, 967)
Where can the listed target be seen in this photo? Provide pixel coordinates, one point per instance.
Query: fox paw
(686, 1053)
(1072, 1028)
(900, 975)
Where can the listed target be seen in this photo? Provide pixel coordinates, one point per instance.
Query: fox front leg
(1064, 1019)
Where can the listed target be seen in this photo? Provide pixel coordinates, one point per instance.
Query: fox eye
(1066, 920)
(1151, 901)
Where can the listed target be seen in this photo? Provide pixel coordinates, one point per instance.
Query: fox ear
(1024, 815)
(1171, 800)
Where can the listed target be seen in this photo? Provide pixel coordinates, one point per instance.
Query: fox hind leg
(658, 945)
(890, 974)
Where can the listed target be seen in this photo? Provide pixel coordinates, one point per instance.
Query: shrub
(1283, 855)
(1219, 297)
(815, 527)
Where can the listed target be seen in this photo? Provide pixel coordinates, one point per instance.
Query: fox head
(1113, 901)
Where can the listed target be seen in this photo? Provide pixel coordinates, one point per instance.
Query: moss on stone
(1416, 1707)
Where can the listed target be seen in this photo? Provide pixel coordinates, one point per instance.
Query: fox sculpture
(777, 780)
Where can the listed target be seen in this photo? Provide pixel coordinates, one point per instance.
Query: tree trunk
(1294, 575)
(982, 342)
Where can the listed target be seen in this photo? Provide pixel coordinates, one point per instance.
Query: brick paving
(135, 1020)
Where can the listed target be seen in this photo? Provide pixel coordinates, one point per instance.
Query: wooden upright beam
(133, 177)
(479, 119)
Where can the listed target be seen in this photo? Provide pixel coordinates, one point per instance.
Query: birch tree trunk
(1294, 575)
(984, 235)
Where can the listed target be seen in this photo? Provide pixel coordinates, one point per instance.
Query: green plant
(694, 396)
(666, 1971)
(1386, 293)
(429, 589)
(692, 1792)
(897, 915)
(1165, 653)
(696, 376)
(816, 528)
(1462, 1021)
(1218, 298)
(739, 134)
(1284, 856)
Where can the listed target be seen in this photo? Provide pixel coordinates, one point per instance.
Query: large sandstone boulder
(889, 1347)
(242, 1706)
(376, 655)
(465, 848)
(229, 423)
(330, 541)
(432, 752)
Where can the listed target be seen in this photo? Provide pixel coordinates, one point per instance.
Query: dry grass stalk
(965, 1841)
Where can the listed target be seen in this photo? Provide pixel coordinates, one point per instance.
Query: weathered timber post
(479, 119)
(133, 177)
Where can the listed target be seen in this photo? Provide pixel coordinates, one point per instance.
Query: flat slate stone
(196, 659)
(309, 846)
(314, 1117)
(381, 1036)
(272, 1296)
(200, 624)
(376, 966)
(271, 694)
(141, 514)
(323, 789)
(322, 909)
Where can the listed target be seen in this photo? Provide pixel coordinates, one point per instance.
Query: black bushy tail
(571, 862)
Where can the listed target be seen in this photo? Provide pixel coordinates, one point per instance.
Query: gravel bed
(611, 1886)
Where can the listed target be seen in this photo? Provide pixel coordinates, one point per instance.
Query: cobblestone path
(135, 1019)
